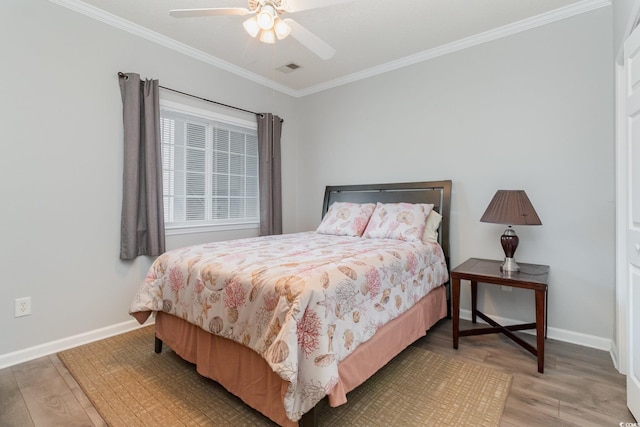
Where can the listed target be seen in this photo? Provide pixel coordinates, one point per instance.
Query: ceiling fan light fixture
(268, 36)
(251, 26)
(266, 24)
(282, 29)
(266, 17)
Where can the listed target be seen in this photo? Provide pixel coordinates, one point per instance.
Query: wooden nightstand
(530, 276)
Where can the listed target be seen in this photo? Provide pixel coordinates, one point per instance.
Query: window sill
(177, 231)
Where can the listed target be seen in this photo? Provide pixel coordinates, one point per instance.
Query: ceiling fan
(267, 21)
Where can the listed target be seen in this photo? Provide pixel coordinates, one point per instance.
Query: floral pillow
(402, 221)
(346, 219)
(431, 228)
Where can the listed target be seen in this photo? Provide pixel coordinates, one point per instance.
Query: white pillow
(431, 228)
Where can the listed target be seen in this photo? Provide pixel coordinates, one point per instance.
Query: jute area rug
(130, 385)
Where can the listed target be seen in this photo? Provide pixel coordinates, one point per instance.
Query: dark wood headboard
(436, 192)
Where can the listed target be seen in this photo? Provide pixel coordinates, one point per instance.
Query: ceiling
(370, 36)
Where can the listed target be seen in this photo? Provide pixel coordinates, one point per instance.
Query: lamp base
(509, 241)
(510, 266)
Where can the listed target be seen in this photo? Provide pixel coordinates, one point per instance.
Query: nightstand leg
(474, 300)
(540, 328)
(455, 299)
(546, 312)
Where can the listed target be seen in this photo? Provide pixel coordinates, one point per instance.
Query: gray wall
(532, 111)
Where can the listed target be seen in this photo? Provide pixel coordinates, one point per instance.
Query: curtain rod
(123, 75)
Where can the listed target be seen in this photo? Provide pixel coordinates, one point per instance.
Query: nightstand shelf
(530, 276)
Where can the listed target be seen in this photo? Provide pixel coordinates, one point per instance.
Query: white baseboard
(554, 333)
(46, 349)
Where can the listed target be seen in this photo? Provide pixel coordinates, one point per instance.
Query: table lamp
(510, 207)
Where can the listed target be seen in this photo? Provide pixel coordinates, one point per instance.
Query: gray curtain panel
(142, 226)
(269, 131)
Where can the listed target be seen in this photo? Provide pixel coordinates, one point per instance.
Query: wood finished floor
(580, 386)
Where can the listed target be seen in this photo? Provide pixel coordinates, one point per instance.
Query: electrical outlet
(506, 288)
(22, 307)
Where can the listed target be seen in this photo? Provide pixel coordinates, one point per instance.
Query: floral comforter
(302, 301)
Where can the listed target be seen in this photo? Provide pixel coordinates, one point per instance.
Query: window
(209, 167)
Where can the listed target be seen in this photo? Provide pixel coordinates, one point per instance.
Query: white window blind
(210, 171)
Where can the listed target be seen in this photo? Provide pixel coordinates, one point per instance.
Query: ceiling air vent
(288, 68)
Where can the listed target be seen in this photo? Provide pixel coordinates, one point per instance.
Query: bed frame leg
(158, 345)
(309, 419)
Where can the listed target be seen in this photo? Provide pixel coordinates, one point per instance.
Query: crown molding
(507, 30)
(475, 40)
(145, 33)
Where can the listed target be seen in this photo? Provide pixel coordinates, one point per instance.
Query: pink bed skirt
(245, 374)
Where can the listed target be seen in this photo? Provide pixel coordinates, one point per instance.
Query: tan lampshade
(511, 207)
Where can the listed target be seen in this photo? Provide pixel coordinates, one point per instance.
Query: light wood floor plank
(13, 410)
(82, 398)
(34, 372)
(51, 403)
(581, 416)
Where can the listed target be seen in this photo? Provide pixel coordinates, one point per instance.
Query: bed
(285, 321)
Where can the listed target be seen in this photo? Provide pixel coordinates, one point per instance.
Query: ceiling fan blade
(310, 40)
(219, 11)
(298, 5)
